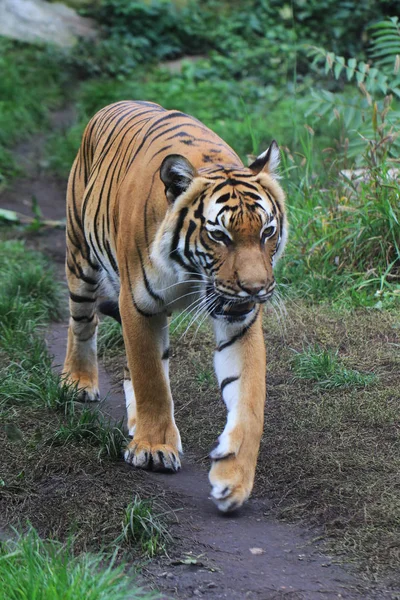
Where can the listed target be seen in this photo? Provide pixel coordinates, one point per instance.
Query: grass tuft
(34, 568)
(88, 424)
(324, 367)
(142, 527)
(110, 337)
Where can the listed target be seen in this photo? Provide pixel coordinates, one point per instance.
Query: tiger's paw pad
(231, 487)
(160, 457)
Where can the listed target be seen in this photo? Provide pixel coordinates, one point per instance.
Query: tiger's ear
(176, 173)
(268, 161)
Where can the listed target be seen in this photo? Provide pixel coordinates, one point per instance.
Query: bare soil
(249, 554)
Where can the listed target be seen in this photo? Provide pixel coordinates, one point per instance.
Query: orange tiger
(162, 215)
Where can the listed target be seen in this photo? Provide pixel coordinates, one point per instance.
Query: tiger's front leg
(240, 365)
(156, 443)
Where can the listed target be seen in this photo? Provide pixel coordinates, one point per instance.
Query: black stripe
(230, 181)
(148, 287)
(106, 147)
(190, 230)
(163, 149)
(251, 195)
(81, 274)
(175, 240)
(139, 310)
(165, 355)
(97, 255)
(153, 128)
(223, 198)
(86, 339)
(145, 221)
(227, 381)
(83, 319)
(168, 130)
(76, 298)
(239, 335)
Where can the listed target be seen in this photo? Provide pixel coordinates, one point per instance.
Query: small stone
(257, 551)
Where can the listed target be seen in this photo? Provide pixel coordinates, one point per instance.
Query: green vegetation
(324, 367)
(29, 298)
(46, 570)
(31, 84)
(109, 336)
(142, 527)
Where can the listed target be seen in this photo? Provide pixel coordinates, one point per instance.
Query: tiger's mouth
(232, 309)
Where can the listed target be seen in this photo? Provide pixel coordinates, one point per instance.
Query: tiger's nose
(251, 288)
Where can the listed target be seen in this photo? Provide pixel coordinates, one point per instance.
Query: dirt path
(245, 555)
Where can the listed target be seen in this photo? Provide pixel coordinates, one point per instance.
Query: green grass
(110, 336)
(88, 424)
(29, 297)
(35, 569)
(144, 528)
(324, 367)
(31, 84)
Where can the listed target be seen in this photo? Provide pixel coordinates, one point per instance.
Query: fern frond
(373, 79)
(385, 44)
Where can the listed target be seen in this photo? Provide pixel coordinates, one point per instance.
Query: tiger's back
(113, 177)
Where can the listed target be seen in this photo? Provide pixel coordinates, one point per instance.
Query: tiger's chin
(232, 311)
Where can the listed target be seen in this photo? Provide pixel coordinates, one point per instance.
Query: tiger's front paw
(157, 457)
(158, 450)
(87, 387)
(233, 467)
(231, 483)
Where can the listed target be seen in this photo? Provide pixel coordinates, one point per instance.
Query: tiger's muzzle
(234, 308)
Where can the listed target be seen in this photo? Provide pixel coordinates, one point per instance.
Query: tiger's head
(228, 224)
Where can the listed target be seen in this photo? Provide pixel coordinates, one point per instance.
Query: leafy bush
(374, 111)
(262, 40)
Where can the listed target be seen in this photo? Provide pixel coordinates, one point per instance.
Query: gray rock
(39, 21)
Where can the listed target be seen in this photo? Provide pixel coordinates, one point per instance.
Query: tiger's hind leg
(80, 367)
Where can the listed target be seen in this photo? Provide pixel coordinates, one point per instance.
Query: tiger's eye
(219, 236)
(268, 232)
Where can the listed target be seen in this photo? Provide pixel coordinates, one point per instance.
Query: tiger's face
(231, 230)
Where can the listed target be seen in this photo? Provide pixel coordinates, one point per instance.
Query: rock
(40, 21)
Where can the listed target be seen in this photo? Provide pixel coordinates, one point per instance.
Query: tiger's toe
(159, 457)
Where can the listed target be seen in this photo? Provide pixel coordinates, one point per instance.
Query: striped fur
(162, 215)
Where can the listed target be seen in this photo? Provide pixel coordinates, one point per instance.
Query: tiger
(162, 215)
